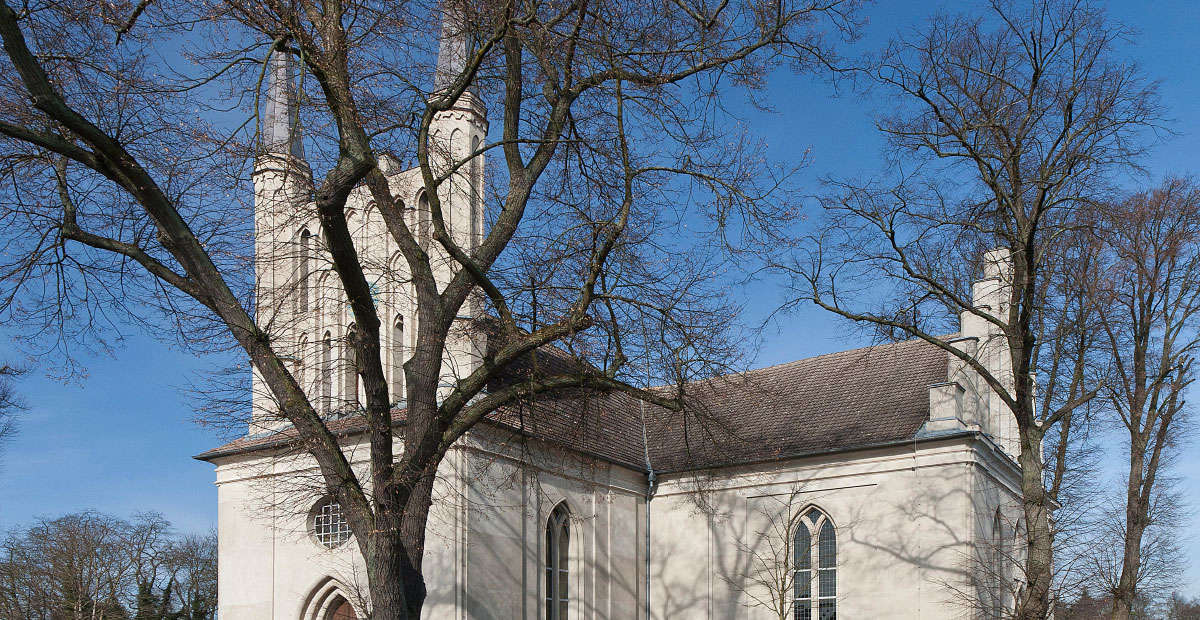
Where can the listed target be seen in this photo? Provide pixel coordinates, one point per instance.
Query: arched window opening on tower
(301, 353)
(350, 371)
(458, 182)
(397, 350)
(814, 545)
(304, 270)
(476, 189)
(558, 540)
(423, 222)
(327, 373)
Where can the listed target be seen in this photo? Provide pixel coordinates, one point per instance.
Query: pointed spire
(452, 48)
(280, 133)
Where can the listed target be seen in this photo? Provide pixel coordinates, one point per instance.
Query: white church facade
(872, 483)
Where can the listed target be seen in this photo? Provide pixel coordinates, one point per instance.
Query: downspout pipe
(651, 478)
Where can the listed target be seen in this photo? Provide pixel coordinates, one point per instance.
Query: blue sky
(121, 439)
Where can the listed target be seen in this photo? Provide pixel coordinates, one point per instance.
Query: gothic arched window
(814, 546)
(476, 189)
(558, 542)
(350, 376)
(456, 180)
(301, 354)
(327, 373)
(304, 269)
(398, 358)
(424, 224)
(997, 567)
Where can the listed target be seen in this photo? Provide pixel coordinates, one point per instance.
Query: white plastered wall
(484, 545)
(905, 518)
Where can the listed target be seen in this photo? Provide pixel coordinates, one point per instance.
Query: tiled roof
(288, 438)
(856, 398)
(863, 397)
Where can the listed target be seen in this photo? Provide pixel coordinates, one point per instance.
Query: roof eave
(838, 450)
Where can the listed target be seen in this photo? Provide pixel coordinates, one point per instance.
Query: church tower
(298, 298)
(284, 242)
(456, 138)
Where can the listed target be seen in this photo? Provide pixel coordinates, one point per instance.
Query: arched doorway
(341, 610)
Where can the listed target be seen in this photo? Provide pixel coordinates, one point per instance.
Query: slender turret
(452, 50)
(458, 133)
(285, 229)
(455, 142)
(965, 400)
(280, 131)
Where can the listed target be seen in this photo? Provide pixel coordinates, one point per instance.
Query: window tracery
(558, 540)
(397, 350)
(304, 270)
(814, 567)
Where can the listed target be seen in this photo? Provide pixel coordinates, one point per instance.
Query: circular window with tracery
(329, 524)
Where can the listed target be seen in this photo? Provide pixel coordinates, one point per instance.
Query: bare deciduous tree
(1007, 124)
(1180, 608)
(1149, 304)
(10, 402)
(123, 172)
(786, 562)
(768, 580)
(91, 566)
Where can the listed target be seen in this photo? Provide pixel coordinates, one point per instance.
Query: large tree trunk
(395, 548)
(389, 577)
(1135, 526)
(1034, 601)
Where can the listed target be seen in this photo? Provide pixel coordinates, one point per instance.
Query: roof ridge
(835, 353)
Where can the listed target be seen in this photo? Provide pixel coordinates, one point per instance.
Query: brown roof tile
(862, 397)
(856, 398)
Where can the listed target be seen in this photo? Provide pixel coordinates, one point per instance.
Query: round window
(329, 525)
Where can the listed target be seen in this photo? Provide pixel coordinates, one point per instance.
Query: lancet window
(814, 567)
(558, 542)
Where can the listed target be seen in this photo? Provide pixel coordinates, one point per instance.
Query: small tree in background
(10, 401)
(96, 566)
(1180, 608)
(767, 581)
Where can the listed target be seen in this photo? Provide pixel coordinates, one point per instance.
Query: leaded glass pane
(828, 582)
(814, 515)
(828, 610)
(827, 546)
(803, 584)
(803, 610)
(802, 548)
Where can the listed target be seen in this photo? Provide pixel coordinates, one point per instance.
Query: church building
(877, 482)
